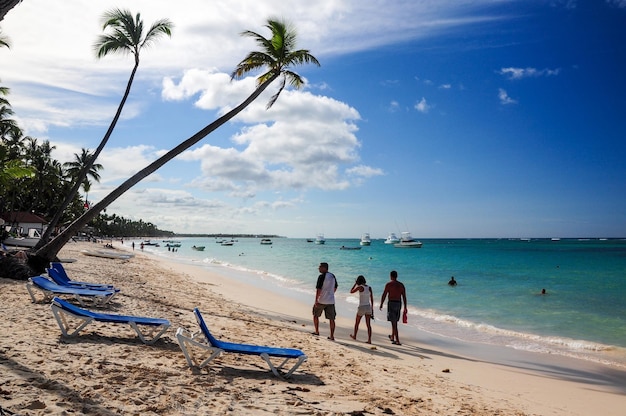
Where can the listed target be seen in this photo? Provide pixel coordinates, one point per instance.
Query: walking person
(325, 300)
(397, 295)
(366, 307)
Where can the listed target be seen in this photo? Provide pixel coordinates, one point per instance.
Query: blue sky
(447, 119)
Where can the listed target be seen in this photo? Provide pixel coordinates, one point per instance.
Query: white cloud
(365, 171)
(519, 73)
(205, 34)
(422, 106)
(504, 97)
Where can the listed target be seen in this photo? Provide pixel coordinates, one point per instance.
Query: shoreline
(501, 360)
(421, 321)
(106, 370)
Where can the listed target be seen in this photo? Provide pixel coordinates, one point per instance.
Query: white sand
(106, 370)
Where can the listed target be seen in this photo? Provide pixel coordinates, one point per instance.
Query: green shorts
(329, 311)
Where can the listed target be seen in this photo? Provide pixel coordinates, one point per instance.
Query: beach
(106, 370)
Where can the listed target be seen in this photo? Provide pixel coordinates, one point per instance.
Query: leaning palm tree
(277, 54)
(126, 37)
(6, 5)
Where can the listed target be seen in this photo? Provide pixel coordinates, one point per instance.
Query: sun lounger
(203, 341)
(67, 314)
(82, 295)
(58, 274)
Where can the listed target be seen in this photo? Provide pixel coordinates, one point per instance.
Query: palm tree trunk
(83, 172)
(6, 5)
(51, 249)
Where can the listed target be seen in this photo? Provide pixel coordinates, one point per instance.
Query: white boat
(365, 239)
(266, 241)
(320, 239)
(227, 242)
(392, 238)
(198, 248)
(406, 241)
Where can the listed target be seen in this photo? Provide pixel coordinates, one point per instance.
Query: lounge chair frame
(83, 296)
(203, 340)
(66, 314)
(58, 274)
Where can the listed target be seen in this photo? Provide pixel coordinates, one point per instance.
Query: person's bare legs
(357, 322)
(369, 329)
(394, 333)
(316, 324)
(332, 330)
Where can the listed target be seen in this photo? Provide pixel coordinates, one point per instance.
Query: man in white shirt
(325, 300)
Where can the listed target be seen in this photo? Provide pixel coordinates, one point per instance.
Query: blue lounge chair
(82, 295)
(153, 327)
(58, 274)
(204, 341)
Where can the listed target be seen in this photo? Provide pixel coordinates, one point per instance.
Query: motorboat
(365, 239)
(349, 248)
(227, 243)
(197, 248)
(392, 238)
(266, 241)
(406, 241)
(320, 239)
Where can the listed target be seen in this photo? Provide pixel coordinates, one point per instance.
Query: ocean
(497, 300)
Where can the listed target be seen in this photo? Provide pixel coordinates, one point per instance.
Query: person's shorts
(329, 311)
(364, 310)
(394, 307)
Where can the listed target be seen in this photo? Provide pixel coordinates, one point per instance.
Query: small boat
(228, 242)
(349, 248)
(406, 241)
(150, 243)
(320, 239)
(197, 248)
(310, 240)
(392, 238)
(365, 239)
(172, 245)
(107, 254)
(266, 241)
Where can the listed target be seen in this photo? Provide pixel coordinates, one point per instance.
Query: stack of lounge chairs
(199, 348)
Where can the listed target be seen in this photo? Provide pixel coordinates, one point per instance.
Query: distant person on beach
(397, 295)
(452, 282)
(366, 307)
(325, 300)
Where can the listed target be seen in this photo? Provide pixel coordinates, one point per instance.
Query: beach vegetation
(4, 41)
(75, 167)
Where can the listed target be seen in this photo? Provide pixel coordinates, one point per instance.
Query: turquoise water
(497, 299)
